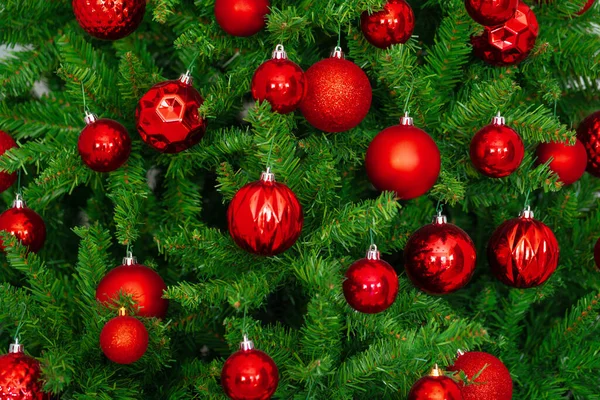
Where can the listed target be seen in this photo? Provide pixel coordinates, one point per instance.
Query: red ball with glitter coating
(124, 339)
(25, 224)
(19, 376)
(568, 161)
(493, 380)
(6, 179)
(393, 25)
(491, 12)
(435, 386)
(104, 144)
(589, 134)
(109, 20)
(241, 17)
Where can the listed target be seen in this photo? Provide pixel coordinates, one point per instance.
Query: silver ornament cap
(373, 253)
(246, 344)
(16, 347)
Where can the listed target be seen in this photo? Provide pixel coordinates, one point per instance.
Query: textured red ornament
(597, 253)
(491, 12)
(523, 252)
(19, 376)
(6, 179)
(109, 20)
(440, 258)
(24, 223)
(265, 217)
(497, 150)
(241, 17)
(494, 381)
(568, 162)
(249, 374)
(339, 94)
(403, 159)
(589, 134)
(393, 25)
(104, 145)
(371, 284)
(124, 339)
(509, 43)
(167, 116)
(436, 386)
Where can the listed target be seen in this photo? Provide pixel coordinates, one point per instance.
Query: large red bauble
(241, 17)
(338, 96)
(393, 25)
(167, 116)
(491, 12)
(104, 144)
(589, 134)
(493, 378)
(25, 224)
(523, 252)
(403, 159)
(19, 376)
(109, 20)
(124, 339)
(436, 386)
(440, 258)
(568, 162)
(597, 253)
(6, 179)
(265, 217)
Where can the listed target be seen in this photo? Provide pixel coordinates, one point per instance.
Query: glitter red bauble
(338, 96)
(25, 224)
(109, 20)
(491, 12)
(589, 134)
(440, 258)
(493, 378)
(510, 42)
(241, 17)
(435, 388)
(597, 253)
(403, 159)
(19, 377)
(167, 116)
(124, 339)
(104, 145)
(393, 25)
(265, 217)
(6, 179)
(568, 161)
(523, 252)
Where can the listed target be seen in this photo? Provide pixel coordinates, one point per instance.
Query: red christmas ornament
(20, 376)
(265, 217)
(6, 179)
(568, 162)
(403, 159)
(109, 20)
(167, 116)
(25, 224)
(439, 258)
(597, 253)
(493, 380)
(435, 386)
(104, 145)
(371, 284)
(509, 43)
(491, 12)
(241, 17)
(249, 374)
(585, 8)
(497, 150)
(145, 286)
(124, 339)
(523, 252)
(339, 94)
(589, 134)
(393, 25)
(279, 81)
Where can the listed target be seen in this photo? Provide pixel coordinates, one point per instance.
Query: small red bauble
(403, 159)
(265, 217)
(436, 386)
(104, 145)
(568, 162)
(25, 224)
(440, 258)
(597, 253)
(371, 284)
(523, 252)
(491, 12)
(6, 179)
(124, 339)
(338, 96)
(109, 20)
(497, 150)
(493, 380)
(19, 376)
(589, 134)
(167, 116)
(249, 374)
(393, 25)
(241, 17)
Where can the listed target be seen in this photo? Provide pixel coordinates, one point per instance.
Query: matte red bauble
(491, 12)
(338, 96)
(403, 159)
(493, 380)
(523, 252)
(440, 258)
(597, 253)
(249, 374)
(393, 25)
(124, 339)
(371, 284)
(435, 386)
(279, 81)
(241, 17)
(497, 150)
(6, 179)
(589, 134)
(25, 224)
(568, 162)
(509, 43)
(109, 20)
(265, 217)
(104, 144)
(19, 376)
(167, 116)
(145, 286)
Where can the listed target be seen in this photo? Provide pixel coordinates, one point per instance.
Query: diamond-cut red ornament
(171, 108)
(589, 134)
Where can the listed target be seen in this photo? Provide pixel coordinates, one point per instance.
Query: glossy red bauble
(436, 386)
(6, 179)
(109, 20)
(589, 134)
(104, 145)
(25, 224)
(493, 380)
(440, 258)
(491, 12)
(167, 116)
(393, 25)
(568, 162)
(124, 339)
(241, 17)
(19, 376)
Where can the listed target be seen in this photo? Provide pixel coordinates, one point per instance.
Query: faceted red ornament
(403, 159)
(523, 252)
(265, 217)
(435, 386)
(597, 253)
(104, 145)
(493, 380)
(339, 94)
(509, 43)
(25, 224)
(109, 20)
(249, 374)
(491, 12)
(371, 284)
(6, 179)
(568, 162)
(19, 376)
(241, 17)
(393, 25)
(167, 116)
(589, 134)
(279, 81)
(145, 286)
(440, 258)
(124, 339)
(497, 150)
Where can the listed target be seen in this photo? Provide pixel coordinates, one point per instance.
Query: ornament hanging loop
(337, 53)
(406, 120)
(436, 371)
(373, 253)
(186, 78)
(246, 344)
(527, 213)
(499, 119)
(267, 176)
(19, 202)
(129, 259)
(279, 53)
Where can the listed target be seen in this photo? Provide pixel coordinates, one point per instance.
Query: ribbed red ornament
(568, 161)
(493, 380)
(589, 134)
(6, 179)
(104, 144)
(109, 20)
(435, 386)
(491, 12)
(124, 339)
(393, 25)
(25, 224)
(20, 376)
(241, 17)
